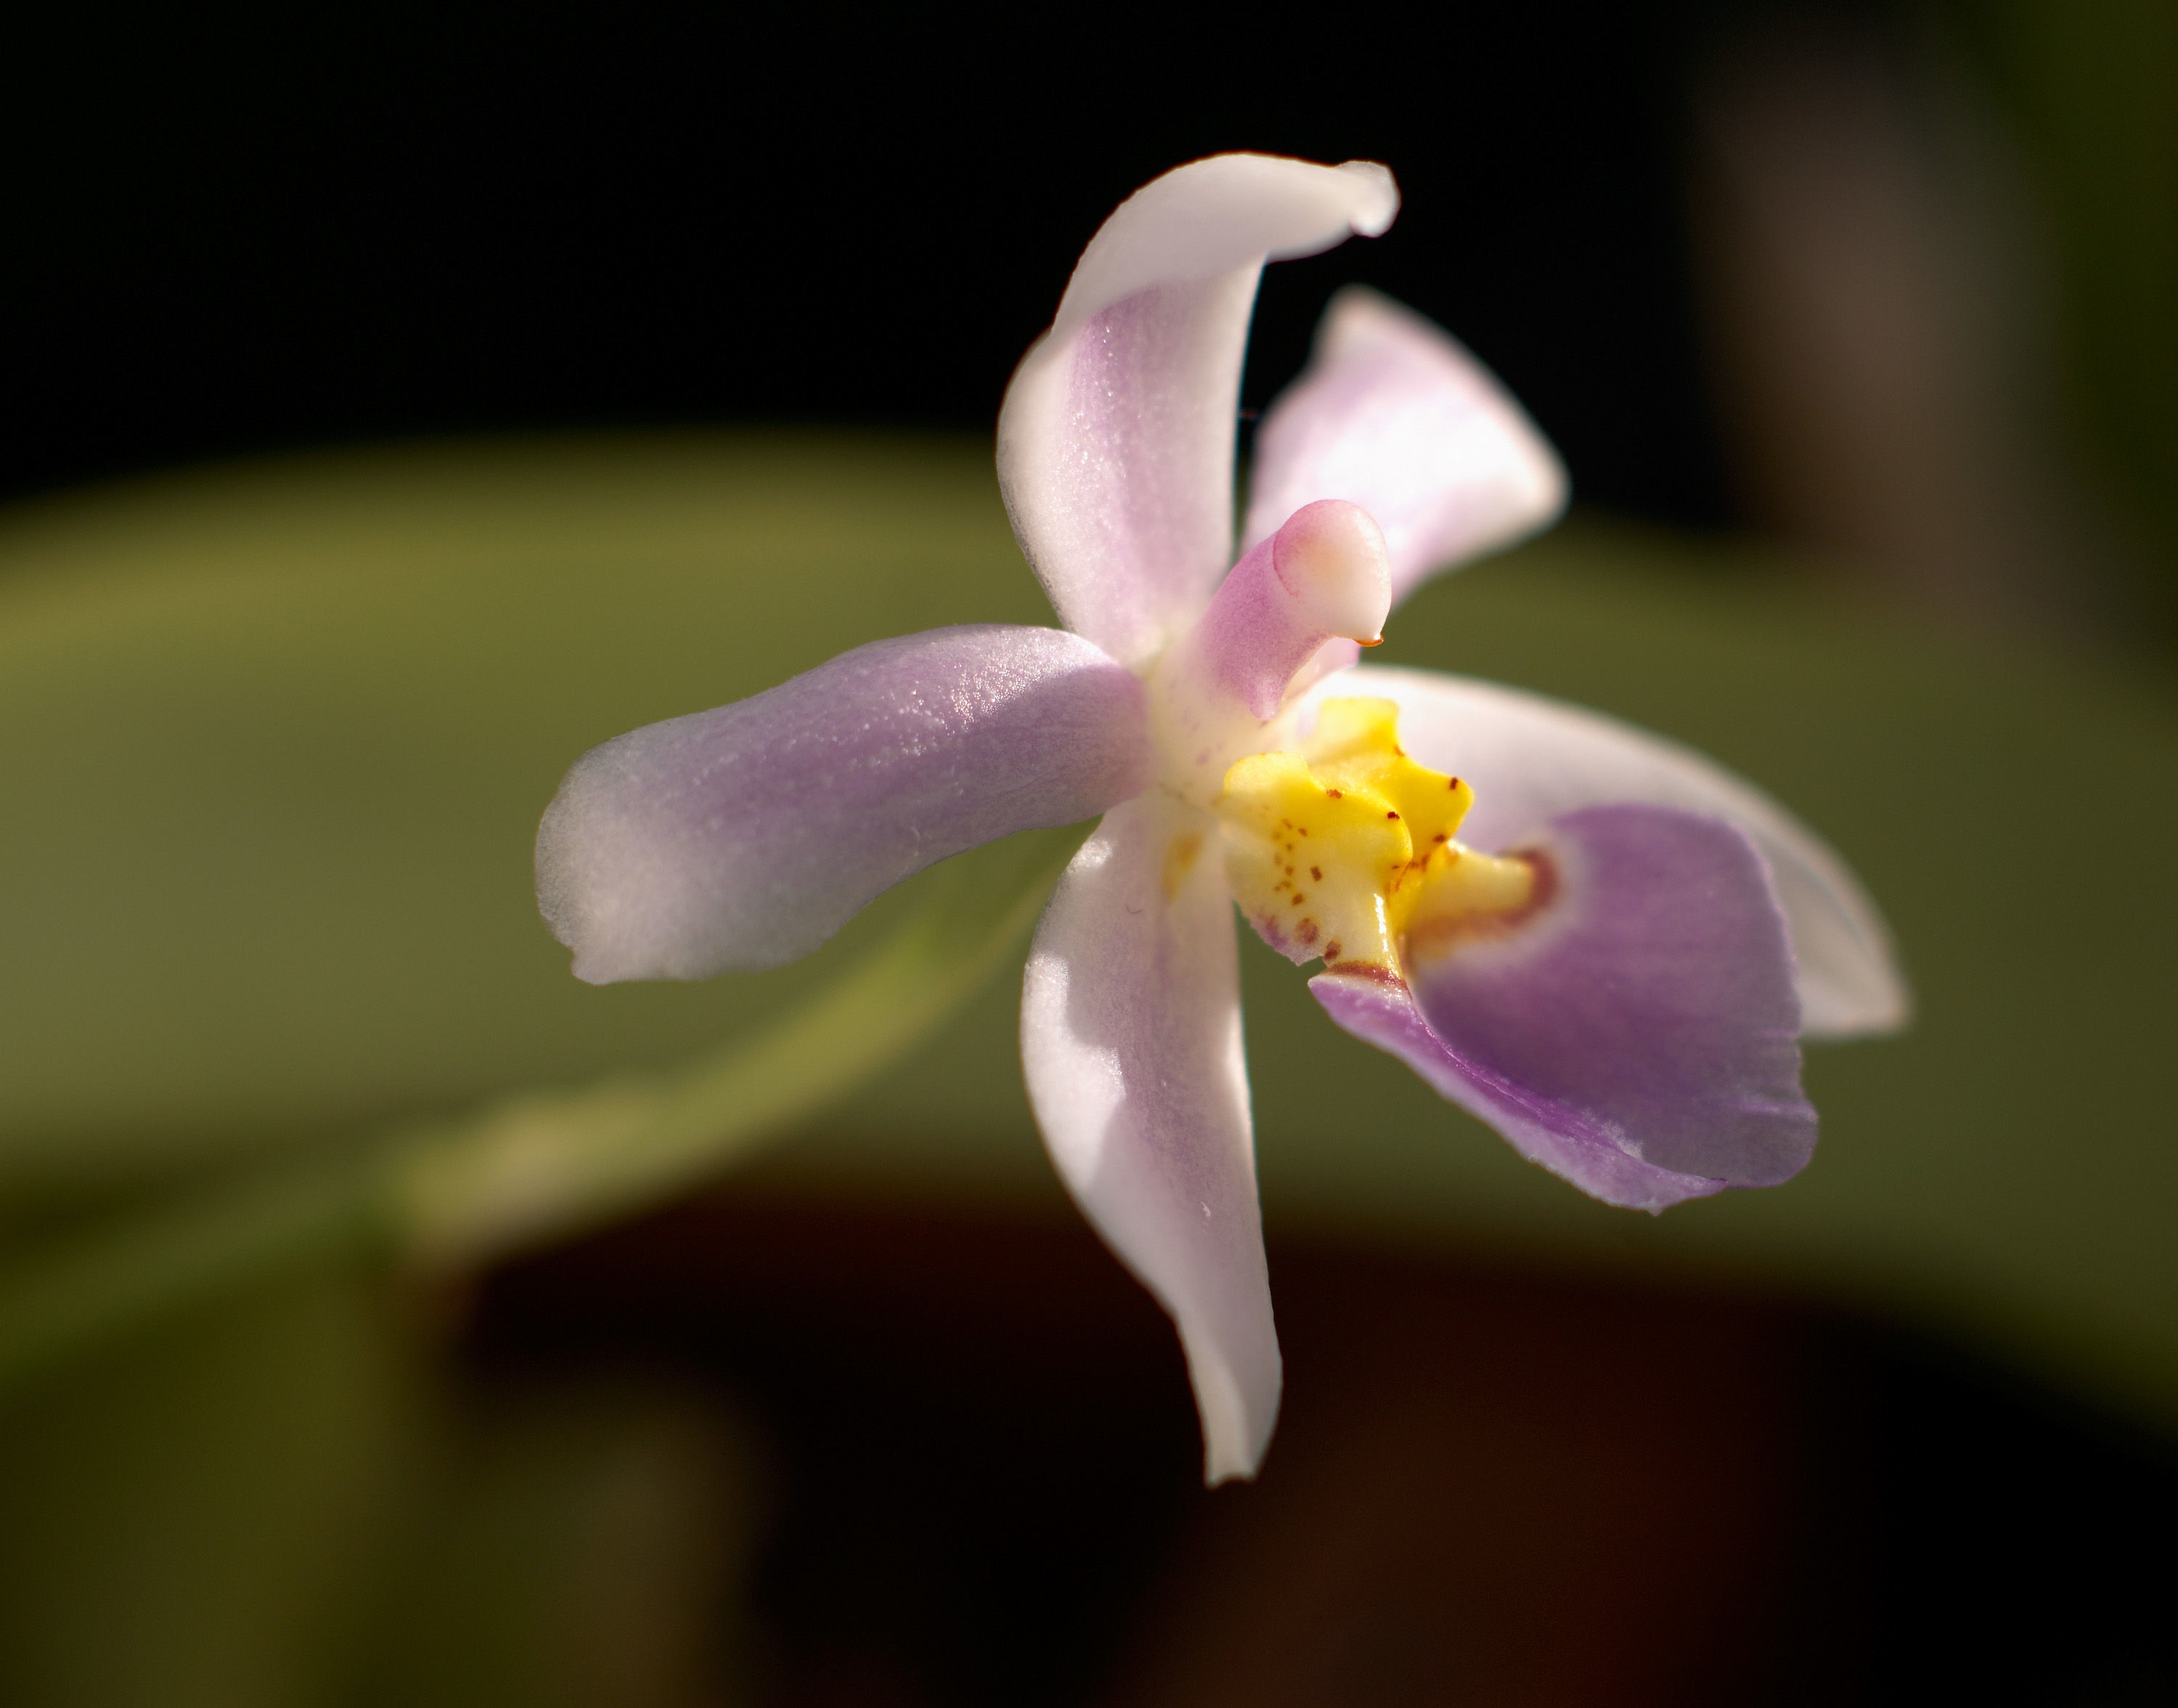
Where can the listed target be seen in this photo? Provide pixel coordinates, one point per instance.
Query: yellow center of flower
(1338, 849)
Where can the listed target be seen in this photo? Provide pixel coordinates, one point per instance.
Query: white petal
(1394, 415)
(1130, 1037)
(1116, 439)
(1530, 758)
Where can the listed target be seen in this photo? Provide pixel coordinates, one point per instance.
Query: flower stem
(536, 1165)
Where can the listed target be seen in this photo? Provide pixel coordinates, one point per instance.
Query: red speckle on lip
(1364, 969)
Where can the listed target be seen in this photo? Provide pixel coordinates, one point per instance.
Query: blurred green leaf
(536, 1164)
(540, 1165)
(275, 742)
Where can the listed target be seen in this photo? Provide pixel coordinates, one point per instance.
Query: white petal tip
(1378, 203)
(587, 970)
(1227, 211)
(618, 889)
(1831, 1013)
(1236, 1426)
(1542, 487)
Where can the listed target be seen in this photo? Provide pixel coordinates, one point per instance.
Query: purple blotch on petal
(1637, 1033)
(1531, 758)
(1380, 1010)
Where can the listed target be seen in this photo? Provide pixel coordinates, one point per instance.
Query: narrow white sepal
(1131, 1043)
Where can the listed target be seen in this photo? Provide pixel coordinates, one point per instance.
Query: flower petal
(1530, 758)
(1383, 1012)
(746, 836)
(1635, 1029)
(1130, 1037)
(1394, 415)
(1116, 439)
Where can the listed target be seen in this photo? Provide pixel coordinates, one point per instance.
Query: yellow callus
(1332, 849)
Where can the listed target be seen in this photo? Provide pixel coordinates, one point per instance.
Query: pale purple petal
(1116, 438)
(1530, 758)
(1130, 1037)
(746, 836)
(1635, 1031)
(1382, 1011)
(1394, 415)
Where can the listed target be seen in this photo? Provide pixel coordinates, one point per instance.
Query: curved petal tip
(1227, 211)
(1378, 205)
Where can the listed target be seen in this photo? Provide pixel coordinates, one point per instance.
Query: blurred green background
(274, 743)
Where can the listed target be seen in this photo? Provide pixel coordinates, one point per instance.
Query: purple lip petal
(1130, 1040)
(1530, 758)
(1116, 438)
(1382, 1011)
(1394, 415)
(1644, 1006)
(746, 836)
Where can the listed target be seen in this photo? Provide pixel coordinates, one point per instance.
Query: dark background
(232, 235)
(1492, 1484)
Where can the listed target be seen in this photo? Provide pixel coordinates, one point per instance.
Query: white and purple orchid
(1597, 941)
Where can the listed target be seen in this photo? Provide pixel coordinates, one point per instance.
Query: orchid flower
(1598, 942)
